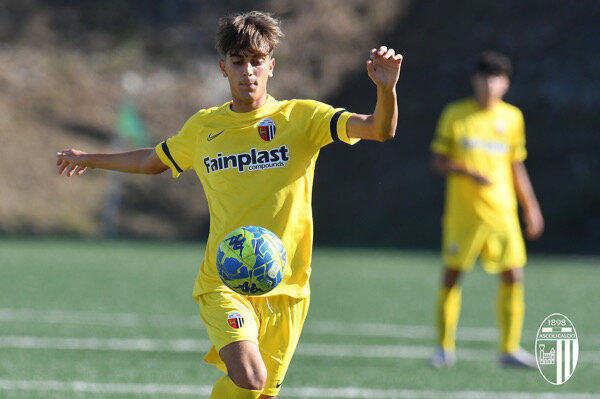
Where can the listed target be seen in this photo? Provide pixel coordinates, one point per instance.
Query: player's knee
(451, 277)
(514, 275)
(252, 378)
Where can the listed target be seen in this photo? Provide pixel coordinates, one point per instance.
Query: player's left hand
(534, 223)
(383, 67)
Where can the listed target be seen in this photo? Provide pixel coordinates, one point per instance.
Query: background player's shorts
(499, 248)
(273, 323)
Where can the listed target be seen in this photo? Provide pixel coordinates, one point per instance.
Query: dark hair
(252, 31)
(494, 63)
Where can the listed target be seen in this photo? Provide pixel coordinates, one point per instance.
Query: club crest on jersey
(266, 129)
(235, 320)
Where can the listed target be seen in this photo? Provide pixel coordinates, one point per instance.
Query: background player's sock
(511, 310)
(449, 300)
(225, 388)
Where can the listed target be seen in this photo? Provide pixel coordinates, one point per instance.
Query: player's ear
(271, 67)
(222, 66)
(506, 83)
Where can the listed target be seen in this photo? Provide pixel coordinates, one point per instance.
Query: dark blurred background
(62, 69)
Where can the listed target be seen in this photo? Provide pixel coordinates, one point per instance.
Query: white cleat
(442, 358)
(520, 358)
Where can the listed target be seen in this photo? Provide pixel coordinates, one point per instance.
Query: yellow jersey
(486, 142)
(257, 168)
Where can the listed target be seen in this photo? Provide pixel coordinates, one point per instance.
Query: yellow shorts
(499, 248)
(273, 323)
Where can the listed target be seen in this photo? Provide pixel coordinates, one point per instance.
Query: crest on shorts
(452, 248)
(235, 320)
(266, 129)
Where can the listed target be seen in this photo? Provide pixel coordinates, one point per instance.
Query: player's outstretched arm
(144, 160)
(532, 214)
(383, 68)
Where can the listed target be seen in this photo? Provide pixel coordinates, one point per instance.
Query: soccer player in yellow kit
(480, 146)
(255, 157)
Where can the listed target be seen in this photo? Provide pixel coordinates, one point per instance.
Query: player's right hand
(71, 160)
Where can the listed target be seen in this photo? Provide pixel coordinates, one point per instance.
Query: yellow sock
(449, 300)
(511, 310)
(225, 388)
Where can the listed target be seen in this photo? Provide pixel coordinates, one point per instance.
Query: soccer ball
(251, 260)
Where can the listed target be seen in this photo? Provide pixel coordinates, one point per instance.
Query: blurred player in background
(480, 146)
(255, 157)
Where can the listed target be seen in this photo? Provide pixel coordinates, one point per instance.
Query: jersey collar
(266, 107)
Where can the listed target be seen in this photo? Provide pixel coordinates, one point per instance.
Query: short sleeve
(177, 152)
(518, 151)
(327, 124)
(443, 141)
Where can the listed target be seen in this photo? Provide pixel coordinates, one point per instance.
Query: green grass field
(116, 320)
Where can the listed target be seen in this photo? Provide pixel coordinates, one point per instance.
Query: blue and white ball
(251, 260)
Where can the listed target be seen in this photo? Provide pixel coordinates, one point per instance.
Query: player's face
(490, 88)
(248, 74)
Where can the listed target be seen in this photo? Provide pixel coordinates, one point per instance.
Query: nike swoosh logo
(213, 136)
(278, 385)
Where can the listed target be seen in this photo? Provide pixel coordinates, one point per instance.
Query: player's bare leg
(449, 300)
(512, 276)
(451, 277)
(511, 312)
(246, 370)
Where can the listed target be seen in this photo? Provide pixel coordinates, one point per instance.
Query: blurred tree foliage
(61, 61)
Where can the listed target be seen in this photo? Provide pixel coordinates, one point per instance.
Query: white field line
(304, 349)
(396, 330)
(96, 318)
(91, 387)
(106, 344)
(311, 327)
(306, 392)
